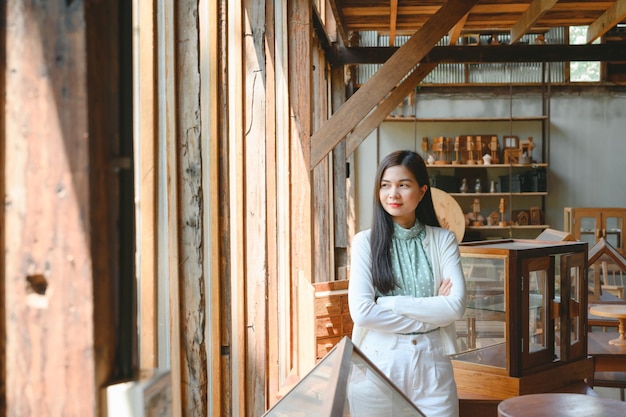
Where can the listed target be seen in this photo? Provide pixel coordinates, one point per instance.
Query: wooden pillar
(301, 199)
(47, 268)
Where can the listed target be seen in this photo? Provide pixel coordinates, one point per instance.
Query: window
(582, 71)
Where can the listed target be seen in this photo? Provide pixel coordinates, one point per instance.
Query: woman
(406, 290)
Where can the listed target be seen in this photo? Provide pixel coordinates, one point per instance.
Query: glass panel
(369, 394)
(557, 297)
(485, 316)
(344, 384)
(537, 319)
(614, 231)
(575, 277)
(588, 230)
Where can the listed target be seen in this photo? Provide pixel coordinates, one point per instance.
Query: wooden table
(617, 311)
(563, 405)
(608, 358)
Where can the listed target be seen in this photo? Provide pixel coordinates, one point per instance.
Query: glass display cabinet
(524, 329)
(344, 383)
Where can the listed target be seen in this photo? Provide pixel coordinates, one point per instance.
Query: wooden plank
(613, 15)
(301, 194)
(48, 213)
(340, 196)
(339, 19)
(191, 216)
(236, 223)
(386, 106)
(386, 78)
(209, 67)
(283, 197)
(254, 137)
(321, 175)
(169, 263)
(393, 19)
(145, 116)
(534, 12)
(271, 148)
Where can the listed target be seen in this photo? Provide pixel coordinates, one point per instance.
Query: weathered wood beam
(534, 12)
(455, 32)
(489, 53)
(393, 20)
(339, 19)
(613, 15)
(386, 78)
(374, 119)
(320, 31)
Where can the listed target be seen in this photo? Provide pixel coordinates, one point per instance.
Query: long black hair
(382, 224)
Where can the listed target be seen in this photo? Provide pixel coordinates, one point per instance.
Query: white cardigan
(406, 314)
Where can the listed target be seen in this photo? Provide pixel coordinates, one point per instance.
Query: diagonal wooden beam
(393, 20)
(455, 32)
(386, 78)
(611, 17)
(379, 114)
(534, 12)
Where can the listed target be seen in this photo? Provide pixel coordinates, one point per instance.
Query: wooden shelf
(500, 194)
(530, 226)
(465, 119)
(534, 165)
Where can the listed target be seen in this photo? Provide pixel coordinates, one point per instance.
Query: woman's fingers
(445, 287)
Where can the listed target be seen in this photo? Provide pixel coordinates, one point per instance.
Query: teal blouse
(411, 267)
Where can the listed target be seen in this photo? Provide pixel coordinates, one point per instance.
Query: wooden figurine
(470, 150)
(512, 151)
(440, 149)
(493, 218)
(535, 215)
(457, 145)
(425, 145)
(503, 223)
(449, 148)
(493, 147)
(476, 212)
(526, 147)
(521, 217)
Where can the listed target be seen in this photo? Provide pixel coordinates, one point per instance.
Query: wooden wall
(59, 138)
(231, 218)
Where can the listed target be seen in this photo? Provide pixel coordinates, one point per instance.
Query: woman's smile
(400, 194)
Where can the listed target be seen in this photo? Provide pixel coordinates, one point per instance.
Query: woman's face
(400, 194)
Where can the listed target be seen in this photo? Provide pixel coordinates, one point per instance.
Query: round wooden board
(449, 212)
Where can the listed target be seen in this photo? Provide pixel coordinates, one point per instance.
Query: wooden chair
(612, 279)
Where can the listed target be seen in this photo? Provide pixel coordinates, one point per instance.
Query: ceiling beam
(611, 17)
(534, 12)
(393, 19)
(489, 53)
(378, 115)
(386, 78)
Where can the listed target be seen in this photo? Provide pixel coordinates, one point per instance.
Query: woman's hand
(445, 287)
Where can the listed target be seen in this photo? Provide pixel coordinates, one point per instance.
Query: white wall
(587, 145)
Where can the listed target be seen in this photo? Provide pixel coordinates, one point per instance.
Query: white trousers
(416, 365)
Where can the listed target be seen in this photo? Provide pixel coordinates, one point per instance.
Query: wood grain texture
(50, 336)
(192, 241)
